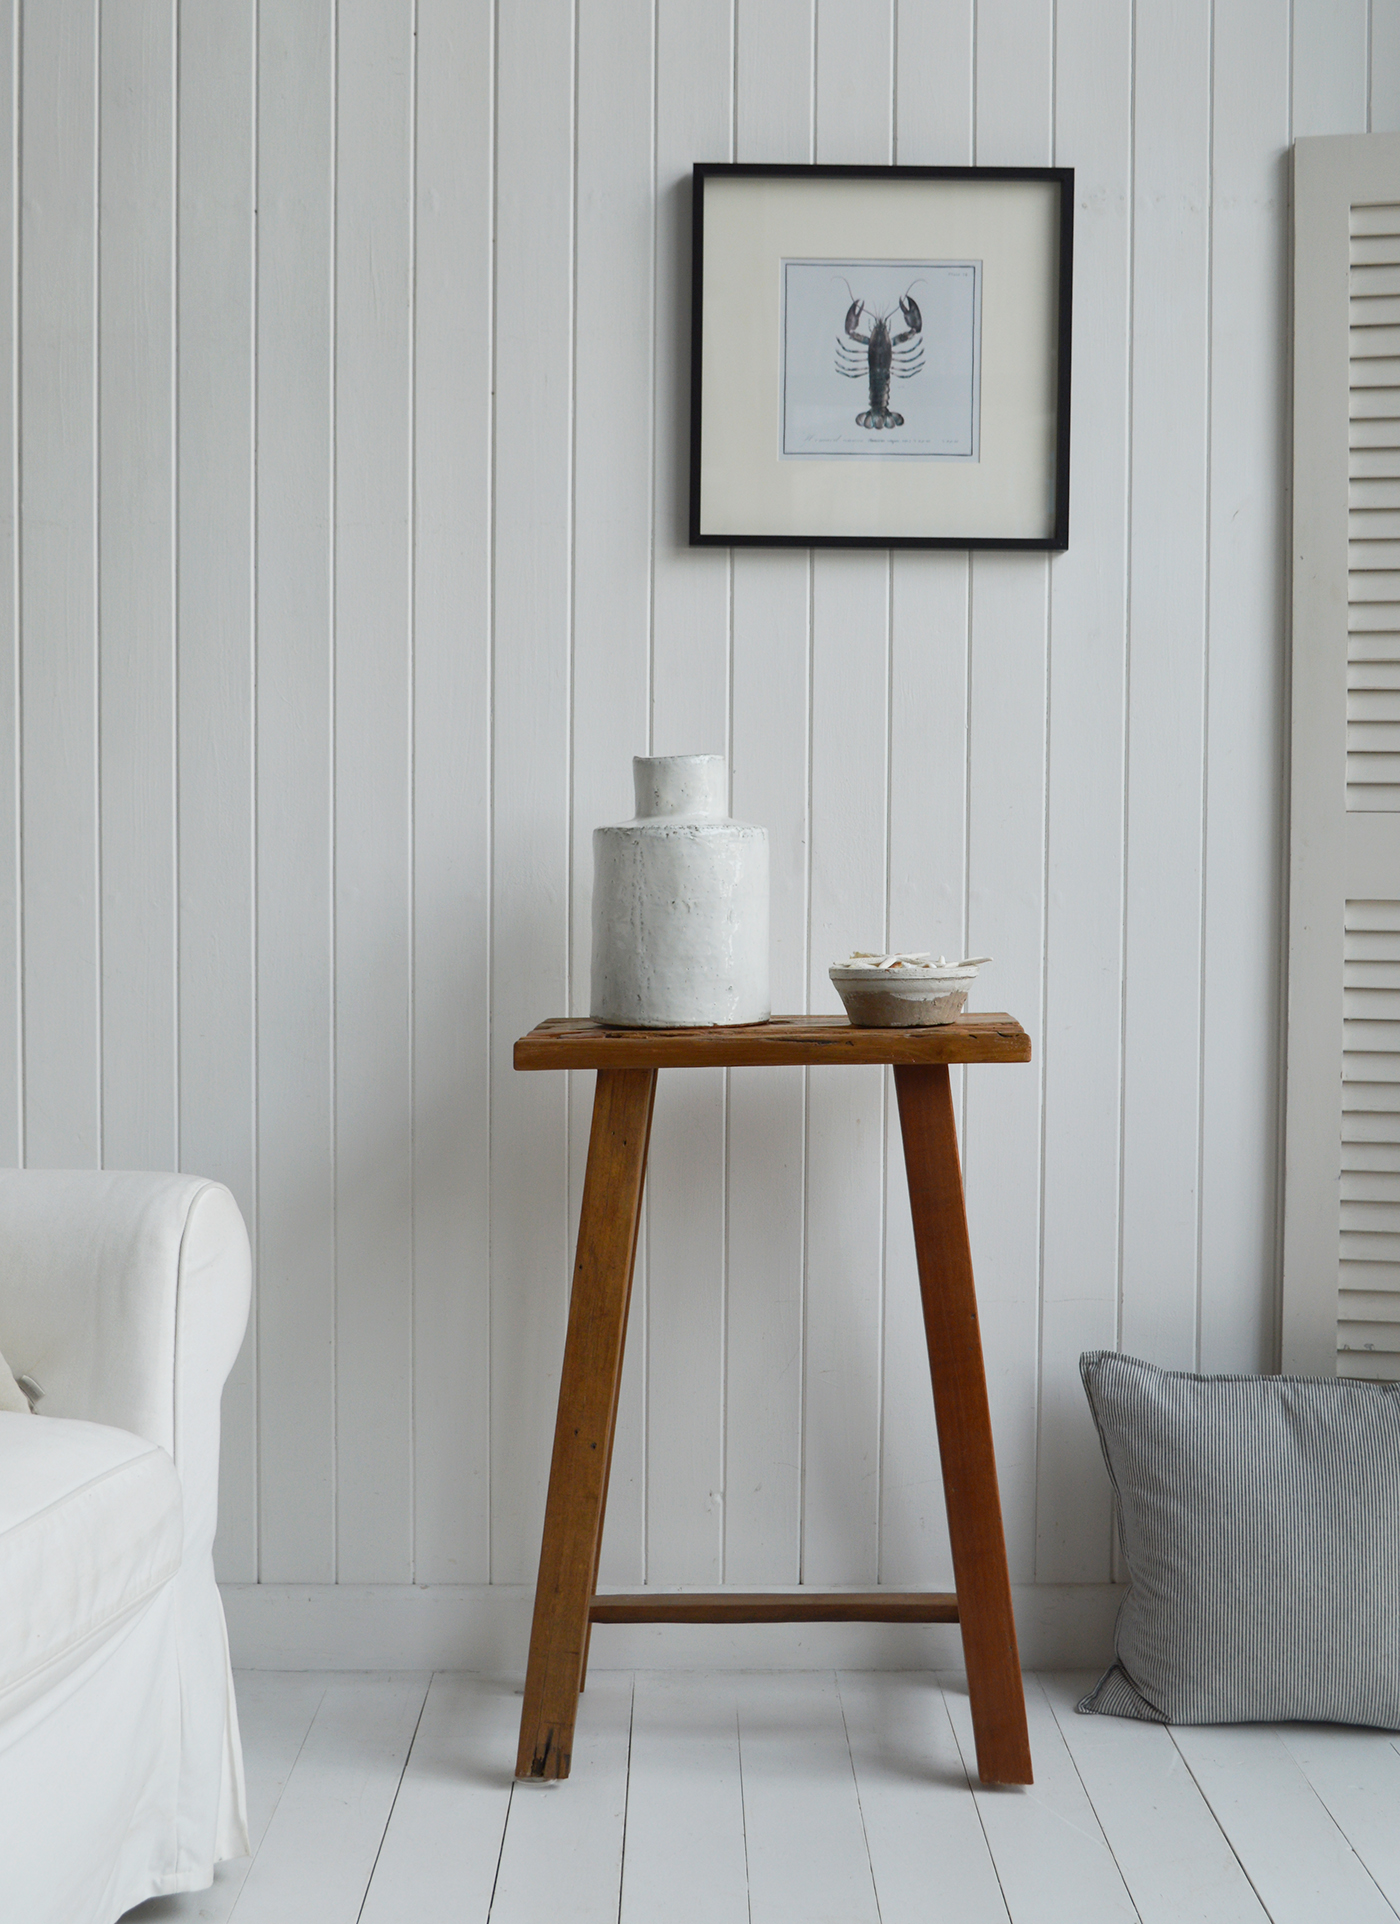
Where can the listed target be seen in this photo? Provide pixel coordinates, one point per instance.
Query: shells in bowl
(903, 990)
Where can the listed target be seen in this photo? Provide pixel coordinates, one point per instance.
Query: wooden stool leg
(583, 1433)
(964, 1424)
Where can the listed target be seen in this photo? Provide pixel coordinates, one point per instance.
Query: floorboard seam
(500, 1852)
(1034, 1678)
(972, 1793)
(253, 1854)
(743, 1812)
(1215, 1816)
(626, 1796)
(860, 1806)
(1317, 1793)
(393, 1805)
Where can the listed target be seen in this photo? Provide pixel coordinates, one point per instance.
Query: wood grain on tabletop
(577, 1042)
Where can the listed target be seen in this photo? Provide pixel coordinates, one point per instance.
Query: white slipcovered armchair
(121, 1776)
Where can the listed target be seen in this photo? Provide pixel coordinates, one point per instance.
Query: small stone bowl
(906, 996)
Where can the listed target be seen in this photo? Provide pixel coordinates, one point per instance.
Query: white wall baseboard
(486, 1628)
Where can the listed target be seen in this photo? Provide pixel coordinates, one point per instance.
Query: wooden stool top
(577, 1042)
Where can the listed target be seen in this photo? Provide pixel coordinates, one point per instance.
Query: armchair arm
(126, 1294)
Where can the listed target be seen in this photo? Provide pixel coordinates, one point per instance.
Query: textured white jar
(680, 904)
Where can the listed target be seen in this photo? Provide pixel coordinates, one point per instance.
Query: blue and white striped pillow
(1260, 1521)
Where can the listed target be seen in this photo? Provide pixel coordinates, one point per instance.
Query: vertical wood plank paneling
(927, 831)
(1383, 100)
(136, 582)
(530, 756)
(461, 351)
(373, 792)
(689, 715)
(763, 1350)
(845, 1108)
(612, 590)
(690, 586)
(11, 1014)
(1014, 76)
(295, 911)
(58, 587)
(1245, 716)
(1006, 807)
(933, 83)
(452, 749)
(927, 885)
(1166, 667)
(1329, 78)
(1084, 805)
(686, 1242)
(215, 350)
(1006, 826)
(769, 747)
(849, 788)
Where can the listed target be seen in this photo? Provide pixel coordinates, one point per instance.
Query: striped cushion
(1260, 1521)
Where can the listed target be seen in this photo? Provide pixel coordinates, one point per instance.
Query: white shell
(680, 904)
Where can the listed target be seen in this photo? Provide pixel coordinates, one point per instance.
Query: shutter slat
(1381, 462)
(1361, 1157)
(1374, 217)
(1374, 584)
(1372, 1186)
(1368, 279)
(1365, 768)
(1371, 1246)
(1367, 918)
(1374, 619)
(1374, 494)
(1362, 1301)
(1374, 310)
(1370, 403)
(1372, 645)
(1377, 972)
(1362, 1366)
(1369, 1001)
(1368, 1241)
(1374, 250)
(1367, 1126)
(1368, 342)
(1373, 551)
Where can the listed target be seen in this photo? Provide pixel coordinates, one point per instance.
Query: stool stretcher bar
(768, 1606)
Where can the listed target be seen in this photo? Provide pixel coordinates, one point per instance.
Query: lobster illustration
(887, 356)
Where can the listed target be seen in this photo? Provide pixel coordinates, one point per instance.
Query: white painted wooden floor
(808, 1798)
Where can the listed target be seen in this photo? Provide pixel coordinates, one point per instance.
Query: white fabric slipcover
(91, 1527)
(126, 1296)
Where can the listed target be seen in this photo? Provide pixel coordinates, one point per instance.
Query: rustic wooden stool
(565, 1601)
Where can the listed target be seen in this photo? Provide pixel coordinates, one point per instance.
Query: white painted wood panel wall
(344, 477)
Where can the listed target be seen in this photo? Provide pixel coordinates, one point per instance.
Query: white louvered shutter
(1342, 1183)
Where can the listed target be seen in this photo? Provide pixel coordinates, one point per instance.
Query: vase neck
(693, 786)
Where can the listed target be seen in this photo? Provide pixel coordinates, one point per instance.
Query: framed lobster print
(880, 356)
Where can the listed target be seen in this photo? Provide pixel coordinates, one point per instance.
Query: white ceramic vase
(680, 904)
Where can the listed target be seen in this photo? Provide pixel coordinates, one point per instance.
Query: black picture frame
(739, 475)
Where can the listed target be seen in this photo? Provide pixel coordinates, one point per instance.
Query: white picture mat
(751, 225)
